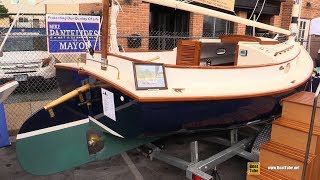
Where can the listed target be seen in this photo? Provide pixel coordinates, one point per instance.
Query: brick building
(148, 19)
(310, 9)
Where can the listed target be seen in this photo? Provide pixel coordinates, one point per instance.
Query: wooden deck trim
(237, 38)
(236, 56)
(60, 66)
(138, 51)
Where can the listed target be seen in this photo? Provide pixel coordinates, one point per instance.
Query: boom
(210, 12)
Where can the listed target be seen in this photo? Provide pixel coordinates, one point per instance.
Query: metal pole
(194, 152)
(314, 109)
(105, 30)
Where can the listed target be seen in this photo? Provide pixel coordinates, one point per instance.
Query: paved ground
(120, 168)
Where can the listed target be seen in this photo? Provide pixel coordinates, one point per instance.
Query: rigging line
(118, 5)
(97, 37)
(264, 2)
(81, 36)
(80, 31)
(85, 34)
(254, 9)
(98, 34)
(235, 13)
(88, 41)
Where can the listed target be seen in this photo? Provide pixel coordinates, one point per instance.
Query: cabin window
(221, 51)
(215, 27)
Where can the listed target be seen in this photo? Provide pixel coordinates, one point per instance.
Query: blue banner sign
(72, 33)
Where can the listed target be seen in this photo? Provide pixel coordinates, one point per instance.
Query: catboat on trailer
(208, 83)
(202, 84)
(197, 96)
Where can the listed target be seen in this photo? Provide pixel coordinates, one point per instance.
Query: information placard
(108, 104)
(149, 76)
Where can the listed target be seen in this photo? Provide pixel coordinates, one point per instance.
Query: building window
(214, 27)
(167, 26)
(303, 31)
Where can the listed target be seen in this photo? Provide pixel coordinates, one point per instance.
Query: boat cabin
(216, 52)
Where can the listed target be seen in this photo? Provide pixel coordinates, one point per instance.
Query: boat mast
(295, 19)
(105, 32)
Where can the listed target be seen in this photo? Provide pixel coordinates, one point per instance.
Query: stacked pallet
(283, 156)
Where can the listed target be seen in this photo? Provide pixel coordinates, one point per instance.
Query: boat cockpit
(227, 51)
(215, 52)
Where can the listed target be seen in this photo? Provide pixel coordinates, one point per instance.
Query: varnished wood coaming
(188, 53)
(236, 55)
(237, 38)
(59, 66)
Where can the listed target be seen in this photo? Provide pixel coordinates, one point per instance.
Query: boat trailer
(196, 169)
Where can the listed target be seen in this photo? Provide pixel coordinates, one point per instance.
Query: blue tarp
(4, 137)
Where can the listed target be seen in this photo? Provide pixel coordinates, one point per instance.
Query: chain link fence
(25, 59)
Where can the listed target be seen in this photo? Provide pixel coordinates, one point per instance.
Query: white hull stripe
(105, 127)
(52, 129)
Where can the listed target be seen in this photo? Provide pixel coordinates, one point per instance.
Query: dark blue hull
(134, 119)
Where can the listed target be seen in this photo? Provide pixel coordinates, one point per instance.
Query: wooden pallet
(287, 146)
